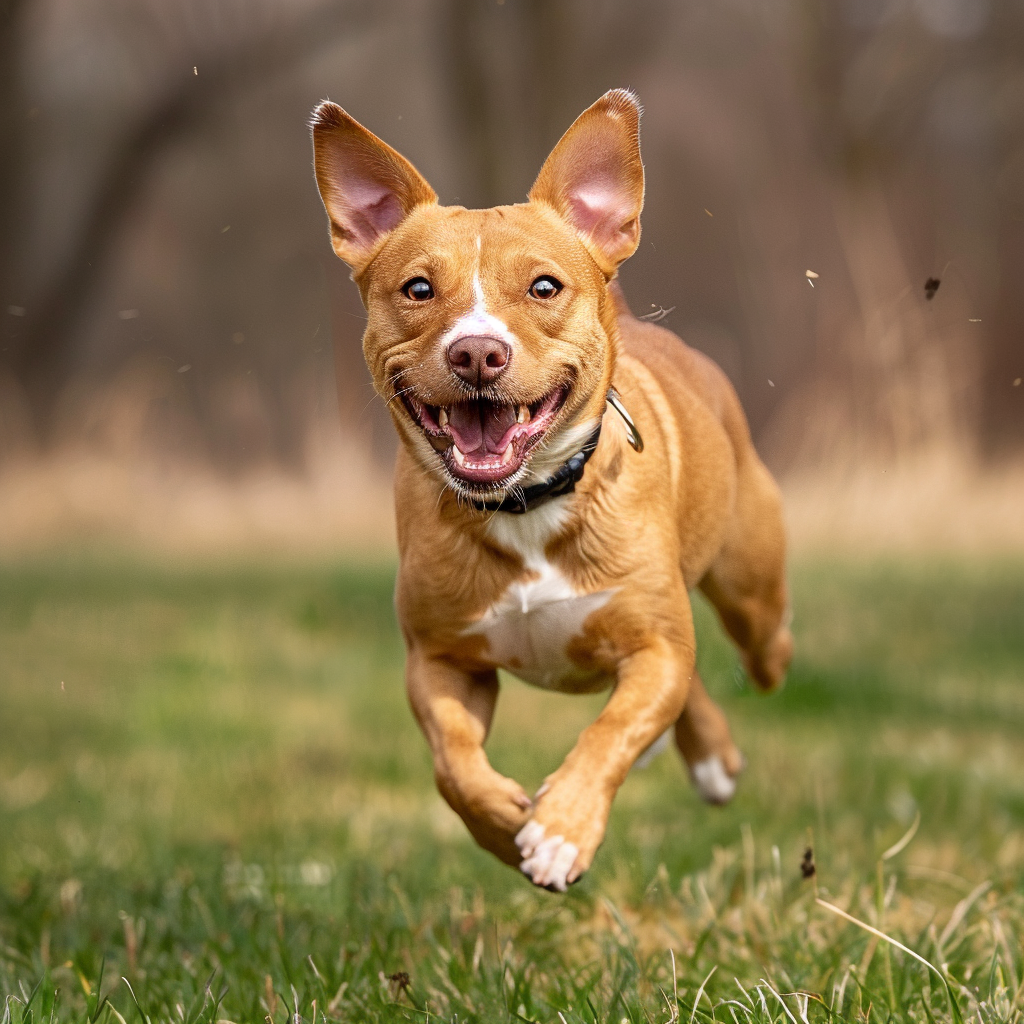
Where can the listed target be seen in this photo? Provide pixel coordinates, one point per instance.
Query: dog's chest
(530, 628)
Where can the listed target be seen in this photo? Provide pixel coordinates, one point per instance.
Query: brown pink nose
(478, 361)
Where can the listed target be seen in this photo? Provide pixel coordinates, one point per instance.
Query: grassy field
(211, 786)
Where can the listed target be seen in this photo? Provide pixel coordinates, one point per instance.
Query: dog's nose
(478, 361)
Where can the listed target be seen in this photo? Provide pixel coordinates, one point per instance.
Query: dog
(567, 474)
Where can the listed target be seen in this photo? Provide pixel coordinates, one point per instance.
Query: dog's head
(491, 334)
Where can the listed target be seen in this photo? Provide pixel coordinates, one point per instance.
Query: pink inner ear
(372, 209)
(364, 202)
(600, 208)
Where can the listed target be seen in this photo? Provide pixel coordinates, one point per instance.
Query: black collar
(562, 481)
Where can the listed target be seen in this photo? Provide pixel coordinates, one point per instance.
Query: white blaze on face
(478, 322)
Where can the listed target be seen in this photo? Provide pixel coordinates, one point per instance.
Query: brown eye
(545, 287)
(418, 288)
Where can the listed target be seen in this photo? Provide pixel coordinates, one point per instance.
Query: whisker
(398, 394)
(376, 394)
(446, 485)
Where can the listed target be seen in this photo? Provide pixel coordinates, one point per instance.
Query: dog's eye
(419, 288)
(545, 287)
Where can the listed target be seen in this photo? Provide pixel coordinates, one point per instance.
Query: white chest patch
(529, 628)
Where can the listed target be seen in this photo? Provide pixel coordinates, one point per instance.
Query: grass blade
(901, 844)
(700, 992)
(953, 1005)
(135, 1000)
(782, 1002)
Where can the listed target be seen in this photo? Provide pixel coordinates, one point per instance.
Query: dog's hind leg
(703, 738)
(747, 581)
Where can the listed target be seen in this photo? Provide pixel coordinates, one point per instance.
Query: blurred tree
(878, 142)
(36, 350)
(519, 72)
(13, 115)
(918, 114)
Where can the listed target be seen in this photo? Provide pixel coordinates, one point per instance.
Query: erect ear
(594, 178)
(367, 188)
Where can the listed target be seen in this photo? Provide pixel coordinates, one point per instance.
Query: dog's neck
(566, 520)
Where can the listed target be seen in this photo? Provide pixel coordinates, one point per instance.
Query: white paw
(712, 781)
(660, 744)
(546, 862)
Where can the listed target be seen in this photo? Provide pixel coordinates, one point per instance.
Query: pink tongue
(478, 427)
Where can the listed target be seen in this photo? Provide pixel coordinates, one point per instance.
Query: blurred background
(179, 347)
(200, 672)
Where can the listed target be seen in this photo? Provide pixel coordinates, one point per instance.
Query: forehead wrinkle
(523, 242)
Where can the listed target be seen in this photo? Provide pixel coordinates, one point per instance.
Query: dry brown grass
(342, 503)
(940, 502)
(84, 498)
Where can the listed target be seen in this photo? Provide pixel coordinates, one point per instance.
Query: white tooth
(459, 457)
(507, 454)
(524, 414)
(442, 418)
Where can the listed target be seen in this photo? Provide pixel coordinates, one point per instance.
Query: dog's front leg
(454, 709)
(559, 841)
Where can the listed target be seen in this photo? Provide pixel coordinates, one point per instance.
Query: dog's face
(490, 333)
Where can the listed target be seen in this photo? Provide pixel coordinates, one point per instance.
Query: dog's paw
(495, 799)
(712, 781)
(493, 807)
(767, 667)
(547, 861)
(503, 799)
(565, 829)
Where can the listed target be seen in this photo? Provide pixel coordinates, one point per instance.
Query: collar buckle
(635, 440)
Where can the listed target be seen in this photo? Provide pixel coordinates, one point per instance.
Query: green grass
(210, 785)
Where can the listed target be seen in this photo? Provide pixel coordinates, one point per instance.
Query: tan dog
(534, 536)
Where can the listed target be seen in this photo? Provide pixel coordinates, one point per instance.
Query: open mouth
(483, 441)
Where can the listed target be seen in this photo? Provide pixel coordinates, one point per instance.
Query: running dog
(567, 474)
